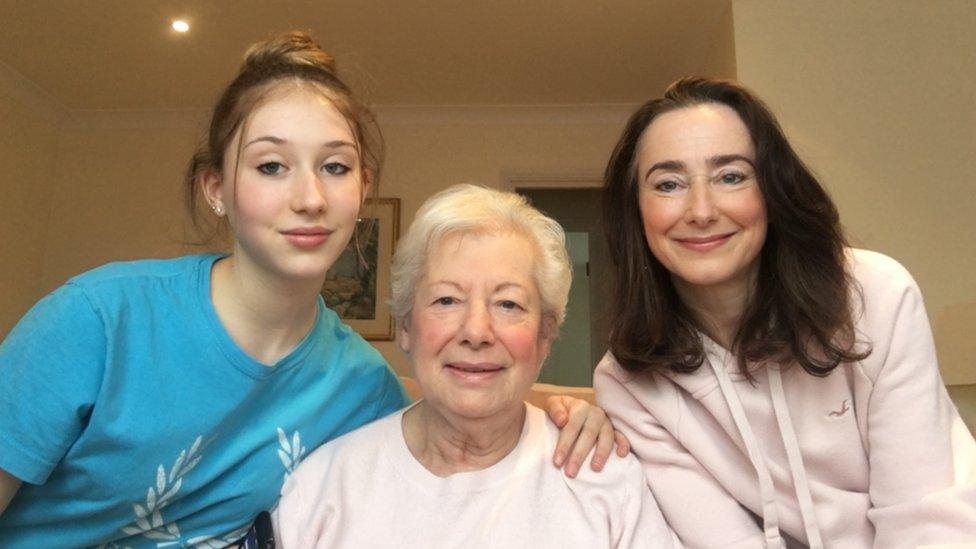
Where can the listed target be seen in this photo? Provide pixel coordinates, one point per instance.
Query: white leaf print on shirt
(290, 453)
(149, 521)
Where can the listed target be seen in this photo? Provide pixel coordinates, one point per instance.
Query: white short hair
(470, 208)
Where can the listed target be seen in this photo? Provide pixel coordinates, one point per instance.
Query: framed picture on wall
(357, 287)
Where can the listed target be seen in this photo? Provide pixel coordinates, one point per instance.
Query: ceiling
(118, 54)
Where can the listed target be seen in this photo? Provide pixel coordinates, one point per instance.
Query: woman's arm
(922, 457)
(9, 485)
(581, 427)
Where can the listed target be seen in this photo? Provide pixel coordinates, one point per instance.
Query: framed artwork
(357, 287)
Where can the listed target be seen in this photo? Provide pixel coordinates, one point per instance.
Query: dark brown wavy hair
(801, 308)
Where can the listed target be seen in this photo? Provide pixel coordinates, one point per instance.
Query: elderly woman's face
(474, 335)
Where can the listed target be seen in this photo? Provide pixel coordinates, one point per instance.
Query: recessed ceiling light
(180, 25)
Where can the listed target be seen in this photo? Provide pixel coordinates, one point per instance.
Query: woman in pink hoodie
(780, 388)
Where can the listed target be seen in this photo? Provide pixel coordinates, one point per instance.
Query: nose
(701, 207)
(309, 195)
(476, 330)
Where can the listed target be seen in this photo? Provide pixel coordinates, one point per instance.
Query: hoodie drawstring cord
(767, 492)
(800, 484)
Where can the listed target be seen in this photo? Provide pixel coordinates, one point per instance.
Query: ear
(547, 333)
(210, 182)
(367, 185)
(403, 335)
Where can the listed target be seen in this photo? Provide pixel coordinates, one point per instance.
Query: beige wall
(878, 97)
(118, 195)
(28, 154)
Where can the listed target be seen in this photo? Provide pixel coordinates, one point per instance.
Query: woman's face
(475, 334)
(298, 187)
(703, 213)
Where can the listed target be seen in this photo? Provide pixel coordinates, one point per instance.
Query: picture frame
(357, 286)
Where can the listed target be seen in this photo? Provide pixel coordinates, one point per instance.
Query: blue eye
(271, 168)
(666, 186)
(732, 178)
(335, 168)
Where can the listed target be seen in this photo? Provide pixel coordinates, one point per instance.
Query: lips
(704, 243)
(306, 237)
(474, 371)
(481, 367)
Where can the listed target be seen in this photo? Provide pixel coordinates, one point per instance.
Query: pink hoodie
(875, 454)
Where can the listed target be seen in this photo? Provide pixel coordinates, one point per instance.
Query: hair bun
(290, 48)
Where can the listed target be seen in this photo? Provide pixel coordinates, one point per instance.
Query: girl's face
(299, 184)
(703, 213)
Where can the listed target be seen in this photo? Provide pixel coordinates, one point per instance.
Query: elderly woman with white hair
(480, 283)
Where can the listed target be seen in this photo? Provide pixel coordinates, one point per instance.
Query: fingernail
(560, 457)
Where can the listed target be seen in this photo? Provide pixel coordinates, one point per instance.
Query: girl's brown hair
(801, 308)
(293, 57)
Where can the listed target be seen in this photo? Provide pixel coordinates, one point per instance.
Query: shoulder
(617, 473)
(349, 451)
(610, 375)
(871, 269)
(144, 276)
(348, 348)
(609, 491)
(886, 289)
(892, 316)
(620, 392)
(95, 301)
(346, 340)
(613, 386)
(142, 268)
(358, 373)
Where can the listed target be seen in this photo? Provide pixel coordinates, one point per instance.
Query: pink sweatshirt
(875, 454)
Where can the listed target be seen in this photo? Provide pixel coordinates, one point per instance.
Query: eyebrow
(334, 144)
(713, 162)
(507, 285)
(502, 286)
(447, 282)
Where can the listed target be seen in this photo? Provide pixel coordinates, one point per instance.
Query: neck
(265, 317)
(446, 444)
(717, 309)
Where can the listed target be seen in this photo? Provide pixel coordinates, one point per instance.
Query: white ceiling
(121, 54)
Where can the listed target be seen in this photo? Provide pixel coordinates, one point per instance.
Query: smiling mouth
(307, 238)
(309, 231)
(704, 243)
(467, 368)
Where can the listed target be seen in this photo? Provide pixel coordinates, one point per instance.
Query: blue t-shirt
(134, 420)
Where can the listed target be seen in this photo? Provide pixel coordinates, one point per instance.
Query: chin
(312, 266)
(480, 408)
(704, 277)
